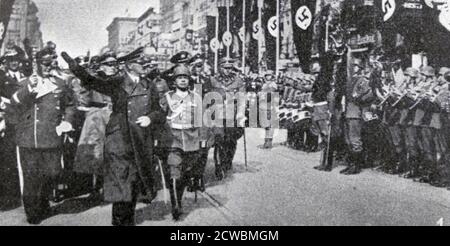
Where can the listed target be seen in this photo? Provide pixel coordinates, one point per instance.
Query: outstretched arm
(89, 81)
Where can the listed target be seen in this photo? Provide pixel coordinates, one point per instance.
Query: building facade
(148, 28)
(23, 24)
(122, 34)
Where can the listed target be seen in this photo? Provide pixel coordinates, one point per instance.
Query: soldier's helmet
(358, 62)
(181, 70)
(181, 57)
(428, 71)
(411, 72)
(447, 76)
(443, 71)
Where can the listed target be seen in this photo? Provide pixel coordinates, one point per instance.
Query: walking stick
(163, 181)
(245, 150)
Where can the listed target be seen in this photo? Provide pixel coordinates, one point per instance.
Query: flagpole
(244, 38)
(260, 35)
(216, 52)
(277, 60)
(228, 25)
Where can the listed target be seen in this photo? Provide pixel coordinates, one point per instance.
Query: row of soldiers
(399, 120)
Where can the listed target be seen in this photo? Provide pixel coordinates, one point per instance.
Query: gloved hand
(64, 127)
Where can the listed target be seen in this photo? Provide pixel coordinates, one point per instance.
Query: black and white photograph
(225, 114)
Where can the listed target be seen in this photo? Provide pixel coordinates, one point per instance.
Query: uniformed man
(44, 107)
(424, 137)
(9, 84)
(439, 99)
(354, 121)
(97, 107)
(182, 57)
(184, 119)
(229, 85)
(268, 88)
(201, 84)
(129, 141)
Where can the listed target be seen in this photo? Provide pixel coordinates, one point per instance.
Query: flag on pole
(302, 12)
(236, 24)
(272, 28)
(211, 34)
(6, 7)
(253, 32)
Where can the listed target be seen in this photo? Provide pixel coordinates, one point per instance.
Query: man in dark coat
(228, 83)
(9, 84)
(128, 144)
(43, 108)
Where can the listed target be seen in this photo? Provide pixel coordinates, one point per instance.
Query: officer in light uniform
(184, 119)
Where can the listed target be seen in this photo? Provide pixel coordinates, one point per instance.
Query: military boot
(355, 168)
(268, 144)
(176, 196)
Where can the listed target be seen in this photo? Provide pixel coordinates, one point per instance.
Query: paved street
(280, 187)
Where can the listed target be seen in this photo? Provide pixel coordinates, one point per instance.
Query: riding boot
(357, 160)
(268, 143)
(176, 195)
(350, 163)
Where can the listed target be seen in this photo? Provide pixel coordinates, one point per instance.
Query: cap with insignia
(227, 63)
(14, 54)
(181, 57)
(47, 55)
(197, 60)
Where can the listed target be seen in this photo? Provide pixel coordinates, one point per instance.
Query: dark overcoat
(128, 147)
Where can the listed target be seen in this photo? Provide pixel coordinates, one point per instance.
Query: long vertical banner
(6, 7)
(212, 42)
(302, 12)
(254, 30)
(272, 28)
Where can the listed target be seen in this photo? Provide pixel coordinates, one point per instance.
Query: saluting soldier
(89, 156)
(184, 119)
(9, 83)
(44, 107)
(129, 142)
(229, 85)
